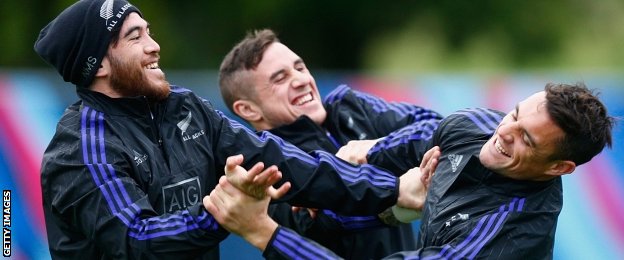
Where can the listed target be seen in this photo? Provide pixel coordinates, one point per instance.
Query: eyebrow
(276, 74)
(531, 140)
(299, 61)
(281, 71)
(134, 28)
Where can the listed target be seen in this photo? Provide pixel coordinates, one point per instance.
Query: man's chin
(160, 91)
(165, 92)
(318, 118)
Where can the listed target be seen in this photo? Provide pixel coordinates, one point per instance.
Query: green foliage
(389, 36)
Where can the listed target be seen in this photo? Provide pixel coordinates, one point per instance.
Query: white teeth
(304, 99)
(152, 66)
(500, 148)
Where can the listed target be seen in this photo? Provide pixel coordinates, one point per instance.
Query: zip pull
(332, 139)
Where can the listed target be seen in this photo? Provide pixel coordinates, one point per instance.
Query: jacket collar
(125, 106)
(306, 135)
(505, 185)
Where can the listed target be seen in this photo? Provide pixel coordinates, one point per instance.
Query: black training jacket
(353, 115)
(470, 212)
(122, 179)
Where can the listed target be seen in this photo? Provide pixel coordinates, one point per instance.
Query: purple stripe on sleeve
(485, 234)
(285, 249)
(483, 114)
(287, 149)
(496, 116)
(336, 94)
(490, 235)
(477, 122)
(481, 236)
(92, 136)
(92, 126)
(94, 151)
(365, 172)
(354, 222)
(304, 248)
(521, 205)
(85, 154)
(468, 239)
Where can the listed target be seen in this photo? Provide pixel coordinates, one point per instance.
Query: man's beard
(129, 80)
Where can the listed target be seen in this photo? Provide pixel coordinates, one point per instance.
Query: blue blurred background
(442, 54)
(591, 224)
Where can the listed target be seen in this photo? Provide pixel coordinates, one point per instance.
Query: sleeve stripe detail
(421, 131)
(380, 106)
(89, 152)
(481, 234)
(401, 108)
(347, 172)
(287, 149)
(296, 247)
(363, 172)
(336, 94)
(486, 120)
(354, 222)
(115, 194)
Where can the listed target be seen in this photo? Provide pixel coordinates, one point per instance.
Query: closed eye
(526, 137)
(300, 65)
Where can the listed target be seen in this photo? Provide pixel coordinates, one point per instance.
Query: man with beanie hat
(86, 28)
(125, 173)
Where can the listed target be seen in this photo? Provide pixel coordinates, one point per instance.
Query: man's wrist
(262, 235)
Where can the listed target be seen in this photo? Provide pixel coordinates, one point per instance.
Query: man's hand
(240, 213)
(257, 182)
(415, 182)
(355, 151)
(429, 165)
(311, 212)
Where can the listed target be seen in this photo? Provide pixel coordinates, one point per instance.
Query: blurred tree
(425, 35)
(496, 36)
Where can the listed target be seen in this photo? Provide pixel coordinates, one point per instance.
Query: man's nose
(300, 79)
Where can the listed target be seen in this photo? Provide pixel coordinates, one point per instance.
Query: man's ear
(559, 168)
(247, 110)
(104, 69)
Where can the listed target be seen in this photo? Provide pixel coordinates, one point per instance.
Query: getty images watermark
(6, 223)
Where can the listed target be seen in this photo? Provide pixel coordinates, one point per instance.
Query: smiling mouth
(303, 99)
(500, 149)
(152, 66)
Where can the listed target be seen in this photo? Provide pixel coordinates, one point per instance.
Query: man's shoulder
(483, 120)
(337, 94)
(180, 90)
(478, 111)
(467, 126)
(178, 93)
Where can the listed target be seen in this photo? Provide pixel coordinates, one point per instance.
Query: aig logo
(181, 195)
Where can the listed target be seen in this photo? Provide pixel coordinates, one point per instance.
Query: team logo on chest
(184, 124)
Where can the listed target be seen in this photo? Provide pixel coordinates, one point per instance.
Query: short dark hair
(583, 119)
(245, 56)
(115, 35)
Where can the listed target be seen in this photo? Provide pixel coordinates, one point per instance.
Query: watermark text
(6, 223)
